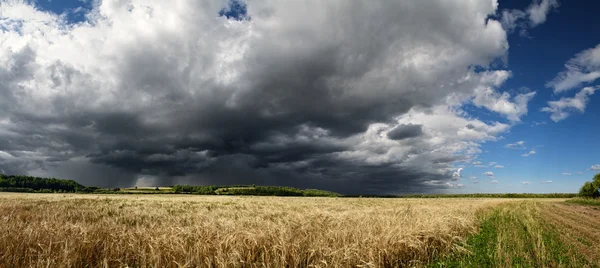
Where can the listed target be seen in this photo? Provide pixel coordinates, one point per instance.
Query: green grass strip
(514, 235)
(584, 201)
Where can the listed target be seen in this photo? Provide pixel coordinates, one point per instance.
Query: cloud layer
(368, 100)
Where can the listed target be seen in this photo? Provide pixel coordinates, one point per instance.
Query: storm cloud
(405, 131)
(351, 96)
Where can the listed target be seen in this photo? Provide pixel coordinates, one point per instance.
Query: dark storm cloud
(289, 96)
(405, 131)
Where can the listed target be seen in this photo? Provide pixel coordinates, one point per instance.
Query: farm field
(73, 230)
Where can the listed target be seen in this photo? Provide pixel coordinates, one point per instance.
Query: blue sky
(384, 98)
(565, 150)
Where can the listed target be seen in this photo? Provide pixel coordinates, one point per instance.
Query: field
(73, 230)
(147, 190)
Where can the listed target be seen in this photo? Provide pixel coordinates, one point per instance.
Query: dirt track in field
(579, 227)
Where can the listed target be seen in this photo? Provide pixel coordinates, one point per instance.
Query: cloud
(595, 167)
(567, 173)
(579, 173)
(533, 16)
(512, 108)
(280, 93)
(532, 152)
(401, 132)
(525, 183)
(538, 10)
(455, 185)
(493, 163)
(456, 175)
(472, 178)
(546, 182)
(494, 182)
(516, 145)
(513, 19)
(536, 123)
(476, 162)
(489, 174)
(498, 166)
(561, 109)
(583, 68)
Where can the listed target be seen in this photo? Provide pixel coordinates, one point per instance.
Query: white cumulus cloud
(516, 145)
(533, 16)
(456, 175)
(511, 107)
(583, 68)
(532, 152)
(561, 109)
(540, 9)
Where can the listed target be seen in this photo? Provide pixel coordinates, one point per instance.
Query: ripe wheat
(52, 230)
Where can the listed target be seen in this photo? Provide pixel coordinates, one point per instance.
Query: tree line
(251, 190)
(30, 184)
(35, 184)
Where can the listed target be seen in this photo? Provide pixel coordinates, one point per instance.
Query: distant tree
(157, 189)
(596, 181)
(591, 189)
(588, 190)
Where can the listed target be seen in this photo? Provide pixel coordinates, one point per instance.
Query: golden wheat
(52, 230)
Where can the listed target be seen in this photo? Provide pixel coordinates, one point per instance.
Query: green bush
(590, 188)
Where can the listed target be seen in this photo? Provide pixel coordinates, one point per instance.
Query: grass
(66, 230)
(519, 234)
(579, 226)
(505, 195)
(584, 201)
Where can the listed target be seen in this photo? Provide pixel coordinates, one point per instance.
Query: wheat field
(55, 230)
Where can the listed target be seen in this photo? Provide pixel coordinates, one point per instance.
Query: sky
(358, 97)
